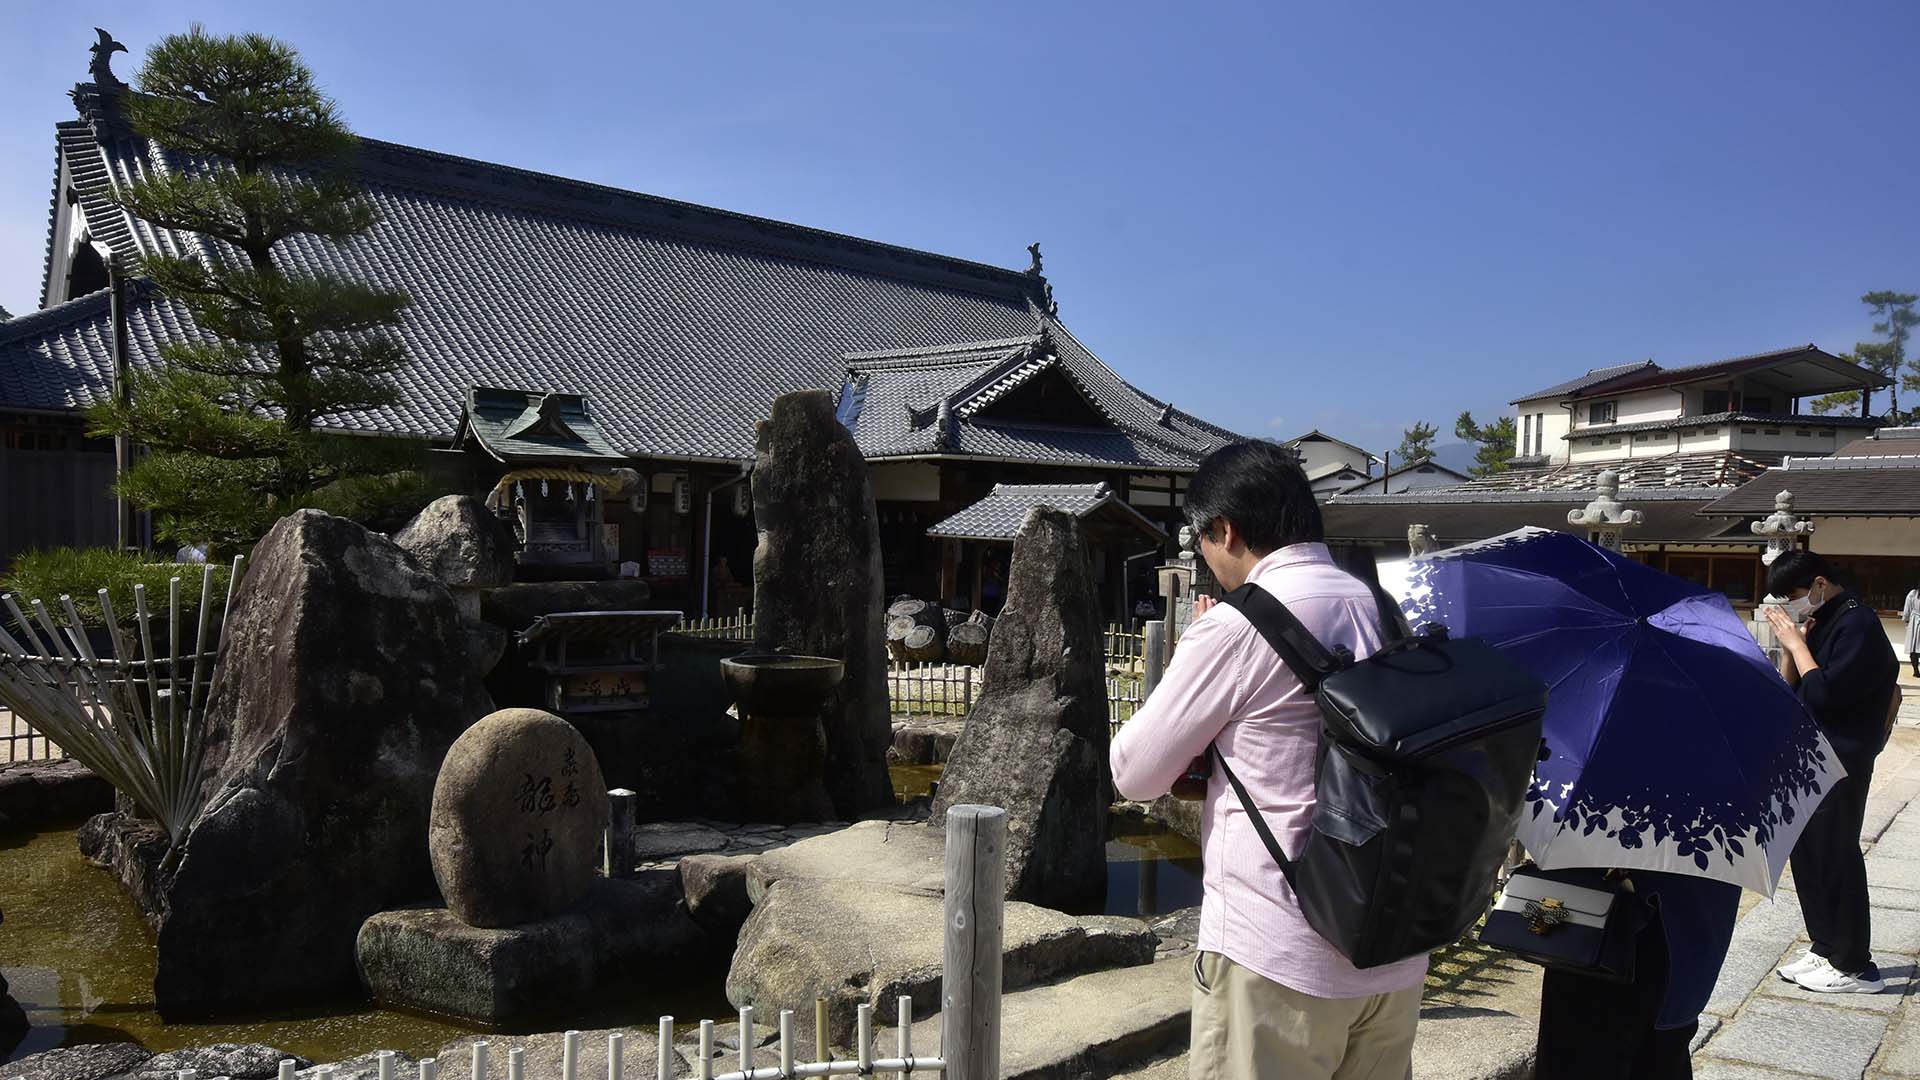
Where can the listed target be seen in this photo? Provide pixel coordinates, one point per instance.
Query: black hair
(1796, 569)
(1260, 487)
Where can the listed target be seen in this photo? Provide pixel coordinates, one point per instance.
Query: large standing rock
(519, 814)
(1036, 741)
(343, 679)
(458, 540)
(816, 583)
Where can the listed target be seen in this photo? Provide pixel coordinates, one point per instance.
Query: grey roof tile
(1593, 377)
(1000, 514)
(680, 322)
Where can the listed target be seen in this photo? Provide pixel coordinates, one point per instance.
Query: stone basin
(780, 684)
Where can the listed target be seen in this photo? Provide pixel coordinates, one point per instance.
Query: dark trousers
(1591, 1029)
(1831, 875)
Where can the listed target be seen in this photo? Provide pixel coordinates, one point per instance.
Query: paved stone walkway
(1757, 1025)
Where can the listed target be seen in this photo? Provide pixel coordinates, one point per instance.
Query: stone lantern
(1606, 518)
(1419, 539)
(1782, 528)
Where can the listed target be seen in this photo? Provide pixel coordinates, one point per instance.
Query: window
(1526, 432)
(1539, 421)
(1759, 403)
(1749, 431)
(1716, 401)
(1804, 433)
(1601, 412)
(1593, 442)
(1640, 438)
(1615, 441)
(1773, 431)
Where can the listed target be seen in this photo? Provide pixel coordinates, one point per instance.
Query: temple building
(1683, 442)
(580, 329)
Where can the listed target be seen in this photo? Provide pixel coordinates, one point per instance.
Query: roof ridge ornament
(1042, 288)
(102, 64)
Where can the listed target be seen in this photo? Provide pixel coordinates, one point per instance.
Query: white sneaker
(1791, 969)
(1824, 978)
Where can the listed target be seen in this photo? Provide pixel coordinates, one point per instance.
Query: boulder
(715, 887)
(1036, 741)
(519, 817)
(41, 794)
(855, 942)
(343, 680)
(882, 853)
(426, 958)
(241, 1061)
(817, 585)
(458, 540)
(94, 1061)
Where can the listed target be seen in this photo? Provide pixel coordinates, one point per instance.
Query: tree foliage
(1493, 442)
(234, 421)
(1895, 318)
(1416, 443)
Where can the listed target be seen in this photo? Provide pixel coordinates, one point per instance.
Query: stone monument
(816, 584)
(458, 540)
(1036, 741)
(519, 813)
(345, 675)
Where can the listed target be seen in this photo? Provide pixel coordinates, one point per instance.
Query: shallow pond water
(80, 959)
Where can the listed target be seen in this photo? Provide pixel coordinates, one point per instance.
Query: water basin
(780, 684)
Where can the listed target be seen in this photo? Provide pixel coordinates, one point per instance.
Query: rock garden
(433, 802)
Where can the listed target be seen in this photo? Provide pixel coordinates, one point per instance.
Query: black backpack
(1427, 748)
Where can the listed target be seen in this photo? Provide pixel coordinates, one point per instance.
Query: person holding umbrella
(1675, 758)
(1842, 665)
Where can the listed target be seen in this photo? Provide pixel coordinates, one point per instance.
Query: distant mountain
(1458, 455)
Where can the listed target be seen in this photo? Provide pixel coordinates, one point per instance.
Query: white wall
(905, 481)
(1865, 536)
(1314, 454)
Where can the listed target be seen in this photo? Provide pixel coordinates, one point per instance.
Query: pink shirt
(1228, 687)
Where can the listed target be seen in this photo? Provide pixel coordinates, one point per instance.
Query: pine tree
(1896, 320)
(232, 420)
(1494, 442)
(1416, 443)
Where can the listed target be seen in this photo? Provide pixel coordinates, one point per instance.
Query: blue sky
(1278, 216)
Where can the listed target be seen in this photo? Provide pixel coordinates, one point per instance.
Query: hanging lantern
(637, 496)
(742, 499)
(682, 496)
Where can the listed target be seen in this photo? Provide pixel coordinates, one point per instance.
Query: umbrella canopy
(1671, 742)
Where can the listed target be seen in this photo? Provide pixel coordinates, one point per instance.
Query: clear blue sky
(1279, 216)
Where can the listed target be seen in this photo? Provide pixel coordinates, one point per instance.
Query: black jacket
(1850, 690)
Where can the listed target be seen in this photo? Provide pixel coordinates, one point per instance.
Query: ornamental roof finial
(102, 66)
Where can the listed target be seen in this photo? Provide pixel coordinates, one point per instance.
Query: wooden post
(976, 874)
(616, 855)
(1154, 660)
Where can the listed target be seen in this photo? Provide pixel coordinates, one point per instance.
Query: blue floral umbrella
(1671, 742)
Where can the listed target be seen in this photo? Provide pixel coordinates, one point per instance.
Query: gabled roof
(1428, 465)
(1316, 435)
(998, 517)
(1331, 468)
(681, 322)
(1593, 377)
(940, 402)
(522, 426)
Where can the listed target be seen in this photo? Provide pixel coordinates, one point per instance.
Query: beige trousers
(1246, 1027)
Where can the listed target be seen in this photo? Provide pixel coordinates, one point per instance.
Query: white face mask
(1804, 606)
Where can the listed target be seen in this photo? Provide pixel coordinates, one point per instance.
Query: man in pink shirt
(1271, 998)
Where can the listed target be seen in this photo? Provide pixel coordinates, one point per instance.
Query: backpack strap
(1298, 648)
(1259, 821)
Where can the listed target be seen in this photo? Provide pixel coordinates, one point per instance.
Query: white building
(1748, 405)
(1331, 464)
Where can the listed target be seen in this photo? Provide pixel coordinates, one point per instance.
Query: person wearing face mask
(1839, 660)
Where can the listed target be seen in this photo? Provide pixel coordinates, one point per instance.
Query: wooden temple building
(598, 358)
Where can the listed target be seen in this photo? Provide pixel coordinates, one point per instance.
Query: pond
(80, 959)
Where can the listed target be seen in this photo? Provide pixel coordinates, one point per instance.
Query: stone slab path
(1757, 1025)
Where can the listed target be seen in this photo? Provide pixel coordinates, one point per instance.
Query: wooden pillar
(976, 873)
(979, 574)
(949, 569)
(698, 486)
